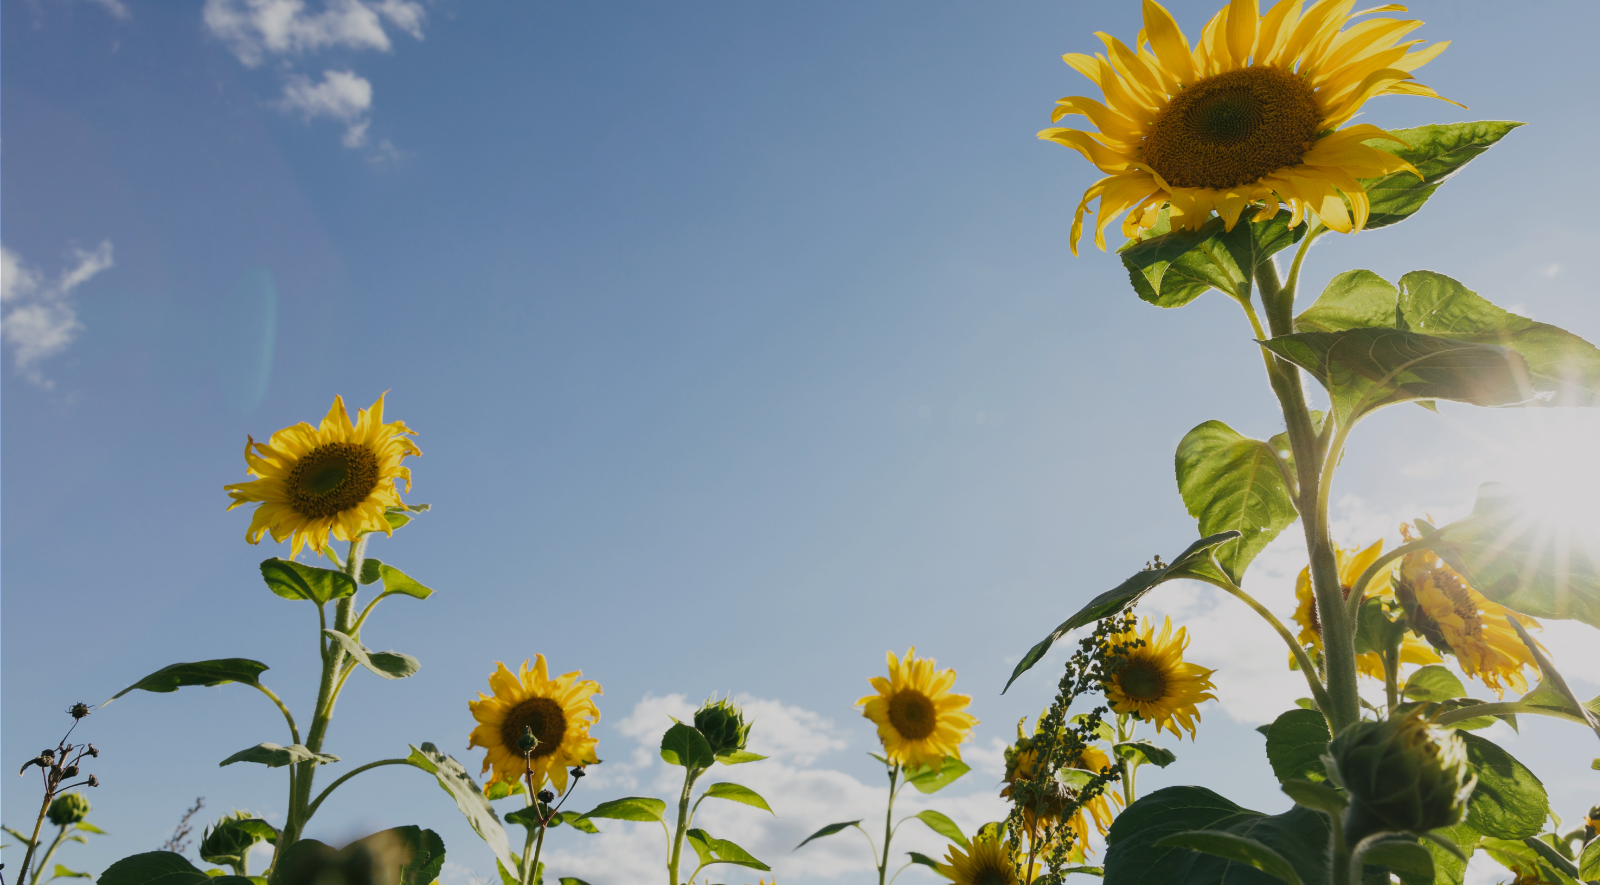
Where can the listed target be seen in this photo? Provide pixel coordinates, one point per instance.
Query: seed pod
(722, 723)
(1402, 774)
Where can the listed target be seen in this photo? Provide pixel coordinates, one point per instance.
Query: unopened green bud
(527, 743)
(722, 723)
(68, 809)
(1402, 774)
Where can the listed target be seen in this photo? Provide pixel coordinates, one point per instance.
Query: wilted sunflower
(338, 478)
(1247, 117)
(1155, 683)
(1022, 767)
(1352, 565)
(919, 721)
(987, 861)
(560, 711)
(1459, 620)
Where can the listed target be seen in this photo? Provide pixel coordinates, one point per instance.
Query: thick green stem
(33, 843)
(888, 824)
(1391, 679)
(689, 777)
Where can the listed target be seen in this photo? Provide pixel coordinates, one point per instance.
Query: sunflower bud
(722, 723)
(1401, 774)
(527, 742)
(68, 809)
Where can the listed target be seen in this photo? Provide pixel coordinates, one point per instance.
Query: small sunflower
(1248, 117)
(1459, 620)
(987, 861)
(919, 721)
(1022, 766)
(1352, 564)
(1154, 683)
(338, 478)
(560, 711)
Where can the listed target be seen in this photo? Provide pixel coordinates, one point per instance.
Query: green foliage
(931, 780)
(1144, 752)
(1229, 481)
(218, 672)
(737, 793)
(1135, 854)
(398, 856)
(229, 842)
(1296, 742)
(1509, 801)
(295, 580)
(274, 756)
(398, 582)
(1233, 847)
(388, 664)
(1521, 857)
(1403, 856)
(722, 724)
(1434, 683)
(712, 850)
(829, 830)
(1437, 152)
(1172, 268)
(162, 868)
(643, 808)
(684, 745)
(920, 858)
(942, 825)
(1589, 861)
(474, 806)
(1194, 562)
(739, 757)
(1316, 796)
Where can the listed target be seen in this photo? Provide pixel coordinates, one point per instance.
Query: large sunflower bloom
(1352, 564)
(1247, 117)
(337, 478)
(1459, 620)
(1022, 767)
(560, 711)
(919, 721)
(1154, 683)
(987, 861)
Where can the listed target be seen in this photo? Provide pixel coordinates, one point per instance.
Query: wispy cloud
(117, 8)
(255, 29)
(341, 95)
(40, 319)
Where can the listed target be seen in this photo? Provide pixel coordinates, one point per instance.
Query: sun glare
(1552, 460)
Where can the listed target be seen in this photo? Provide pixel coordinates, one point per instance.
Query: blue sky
(744, 344)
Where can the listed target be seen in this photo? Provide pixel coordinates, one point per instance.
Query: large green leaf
(1233, 847)
(218, 672)
(738, 793)
(1434, 683)
(1142, 752)
(1295, 744)
(641, 808)
(1230, 481)
(296, 580)
(388, 664)
(1367, 369)
(397, 581)
(274, 756)
(684, 745)
(454, 779)
(1511, 552)
(1195, 561)
(230, 840)
(1437, 151)
(162, 868)
(1589, 861)
(1172, 268)
(929, 779)
(1134, 855)
(942, 825)
(398, 856)
(1449, 869)
(1522, 858)
(712, 850)
(1355, 299)
(1509, 801)
(1409, 859)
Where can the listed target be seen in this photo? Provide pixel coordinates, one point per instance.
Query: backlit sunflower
(919, 721)
(1248, 117)
(1459, 620)
(1022, 767)
(560, 711)
(1155, 684)
(987, 861)
(336, 478)
(1352, 565)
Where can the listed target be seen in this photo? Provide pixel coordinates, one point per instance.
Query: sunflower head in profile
(559, 711)
(1023, 767)
(920, 722)
(1458, 620)
(337, 478)
(1154, 683)
(988, 860)
(1352, 565)
(1247, 118)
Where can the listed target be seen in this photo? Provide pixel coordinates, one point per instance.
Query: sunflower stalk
(690, 775)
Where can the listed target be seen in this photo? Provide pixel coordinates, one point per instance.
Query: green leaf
(229, 842)
(737, 793)
(1320, 797)
(160, 868)
(502, 790)
(928, 779)
(1193, 562)
(397, 581)
(1450, 868)
(577, 821)
(1141, 752)
(829, 830)
(388, 664)
(685, 746)
(1589, 861)
(1508, 551)
(1241, 849)
(274, 756)
(713, 850)
(942, 825)
(1434, 683)
(1375, 632)
(1295, 744)
(422, 850)
(1366, 369)
(401, 856)
(1229, 481)
(474, 806)
(918, 857)
(1172, 268)
(1355, 299)
(1404, 857)
(571, 880)
(1520, 857)
(399, 516)
(62, 872)
(739, 757)
(87, 827)
(295, 580)
(1509, 801)
(370, 571)
(1135, 857)
(1437, 152)
(641, 808)
(218, 672)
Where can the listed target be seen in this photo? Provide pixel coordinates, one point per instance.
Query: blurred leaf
(1437, 151)
(1320, 797)
(577, 821)
(1404, 857)
(1229, 481)
(1434, 683)
(87, 827)
(1295, 744)
(1141, 752)
(62, 872)
(643, 808)
(684, 745)
(829, 830)
(917, 857)
(1509, 801)
(712, 850)
(739, 757)
(388, 664)
(218, 672)
(1233, 847)
(1135, 855)
(295, 580)
(502, 790)
(474, 806)
(1522, 858)
(930, 780)
(274, 756)
(161, 868)
(397, 581)
(230, 840)
(942, 825)
(737, 793)
(1194, 561)
(1589, 861)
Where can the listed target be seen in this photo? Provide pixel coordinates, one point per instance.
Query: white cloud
(254, 29)
(40, 320)
(116, 7)
(341, 95)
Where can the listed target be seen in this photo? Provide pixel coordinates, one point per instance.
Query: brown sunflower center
(1142, 680)
(1233, 128)
(332, 478)
(912, 714)
(544, 716)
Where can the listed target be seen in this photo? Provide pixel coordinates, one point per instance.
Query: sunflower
(560, 711)
(1154, 683)
(1022, 766)
(919, 721)
(1459, 620)
(1352, 564)
(337, 478)
(1247, 118)
(987, 861)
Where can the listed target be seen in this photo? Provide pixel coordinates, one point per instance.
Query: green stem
(1306, 666)
(888, 824)
(49, 853)
(33, 844)
(1391, 678)
(538, 848)
(312, 809)
(287, 716)
(1359, 589)
(690, 775)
